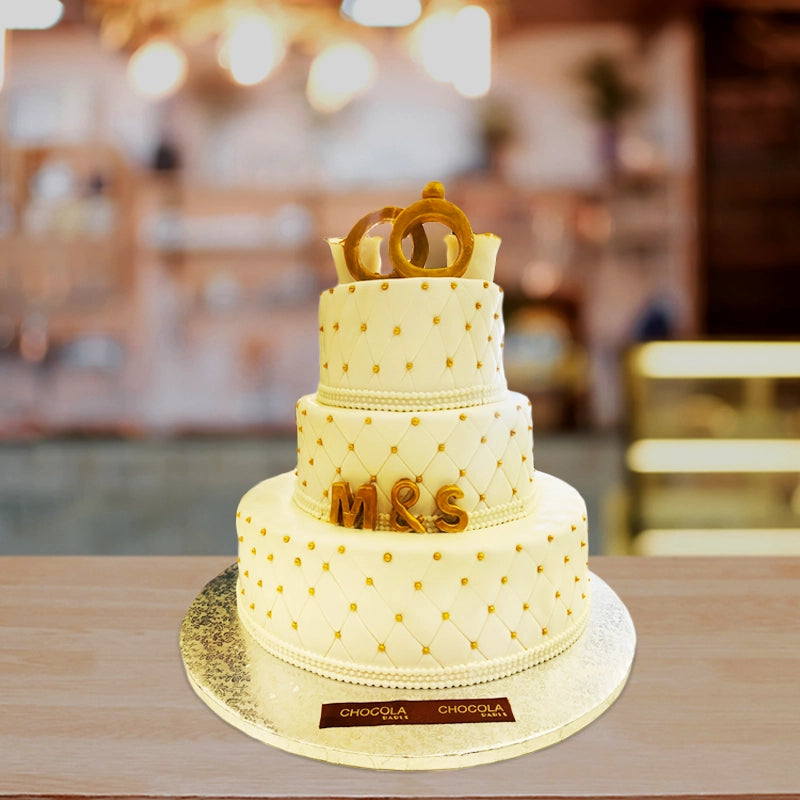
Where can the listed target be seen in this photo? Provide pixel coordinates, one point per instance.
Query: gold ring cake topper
(408, 222)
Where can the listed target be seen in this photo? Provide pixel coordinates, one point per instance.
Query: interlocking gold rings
(352, 243)
(408, 222)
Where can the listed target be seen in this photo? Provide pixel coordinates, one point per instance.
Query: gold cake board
(279, 704)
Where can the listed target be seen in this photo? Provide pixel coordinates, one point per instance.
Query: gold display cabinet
(713, 451)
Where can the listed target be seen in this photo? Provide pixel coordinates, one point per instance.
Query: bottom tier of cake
(410, 610)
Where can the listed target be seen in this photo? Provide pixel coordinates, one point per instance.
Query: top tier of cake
(417, 344)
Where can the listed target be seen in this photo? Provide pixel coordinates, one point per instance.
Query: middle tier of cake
(485, 451)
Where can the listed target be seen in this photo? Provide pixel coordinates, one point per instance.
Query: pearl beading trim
(411, 401)
(483, 518)
(404, 678)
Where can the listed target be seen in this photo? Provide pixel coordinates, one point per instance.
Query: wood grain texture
(94, 700)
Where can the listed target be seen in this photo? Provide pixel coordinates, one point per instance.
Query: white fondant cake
(414, 546)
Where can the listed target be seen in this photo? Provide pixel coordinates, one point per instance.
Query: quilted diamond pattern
(487, 451)
(386, 344)
(412, 601)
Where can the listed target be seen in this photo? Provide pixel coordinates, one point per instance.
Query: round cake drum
(398, 729)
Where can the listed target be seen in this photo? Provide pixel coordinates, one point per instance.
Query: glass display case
(713, 451)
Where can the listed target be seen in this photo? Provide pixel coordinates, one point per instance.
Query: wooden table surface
(94, 700)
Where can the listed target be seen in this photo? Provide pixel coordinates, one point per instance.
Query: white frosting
(486, 451)
(414, 343)
(413, 610)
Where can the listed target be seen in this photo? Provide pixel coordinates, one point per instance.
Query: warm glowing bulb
(157, 69)
(382, 13)
(433, 45)
(472, 31)
(338, 74)
(30, 14)
(252, 48)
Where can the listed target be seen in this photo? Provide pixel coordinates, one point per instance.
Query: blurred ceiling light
(157, 69)
(472, 29)
(2, 56)
(718, 360)
(382, 13)
(714, 455)
(251, 48)
(30, 14)
(432, 45)
(339, 74)
(456, 48)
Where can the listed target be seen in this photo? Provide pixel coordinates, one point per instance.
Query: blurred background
(169, 171)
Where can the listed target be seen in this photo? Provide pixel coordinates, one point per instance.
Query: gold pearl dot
(376, 368)
(425, 650)
(252, 606)
(247, 573)
(566, 559)
(338, 634)
(441, 448)
(396, 330)
(263, 531)
(297, 562)
(369, 582)
(398, 617)
(341, 548)
(526, 606)
(473, 645)
(270, 557)
(381, 648)
(544, 631)
(363, 326)
(424, 286)
(540, 568)
(351, 289)
(445, 615)
(549, 537)
(436, 320)
(353, 607)
(479, 365)
(513, 634)
(311, 590)
(453, 285)
(490, 609)
(558, 594)
(481, 556)
(387, 557)
(269, 614)
(415, 420)
(464, 581)
(518, 548)
(351, 446)
(393, 448)
(462, 472)
(409, 365)
(449, 362)
(279, 589)
(504, 579)
(259, 583)
(344, 367)
(384, 286)
(336, 326)
(326, 566)
(462, 417)
(329, 418)
(437, 556)
(253, 551)
(417, 585)
(477, 306)
(287, 539)
(486, 284)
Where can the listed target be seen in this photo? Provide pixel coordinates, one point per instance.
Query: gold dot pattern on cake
(445, 615)
(418, 585)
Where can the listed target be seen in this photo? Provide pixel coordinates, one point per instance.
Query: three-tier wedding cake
(415, 545)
